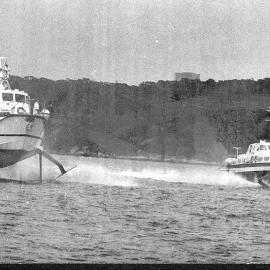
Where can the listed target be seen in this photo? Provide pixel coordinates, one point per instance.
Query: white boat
(254, 165)
(21, 127)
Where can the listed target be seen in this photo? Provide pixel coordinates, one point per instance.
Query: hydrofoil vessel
(21, 127)
(254, 165)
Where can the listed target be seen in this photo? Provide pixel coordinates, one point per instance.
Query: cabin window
(266, 158)
(7, 97)
(268, 147)
(263, 147)
(19, 98)
(260, 159)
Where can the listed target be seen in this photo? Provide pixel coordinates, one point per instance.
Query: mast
(4, 74)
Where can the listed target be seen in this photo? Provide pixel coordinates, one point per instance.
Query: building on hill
(186, 75)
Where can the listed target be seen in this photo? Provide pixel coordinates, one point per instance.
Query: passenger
(5, 85)
(5, 71)
(36, 108)
(45, 113)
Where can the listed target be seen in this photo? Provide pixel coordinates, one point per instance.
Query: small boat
(254, 165)
(21, 127)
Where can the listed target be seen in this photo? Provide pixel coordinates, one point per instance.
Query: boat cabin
(259, 152)
(14, 102)
(11, 101)
(256, 153)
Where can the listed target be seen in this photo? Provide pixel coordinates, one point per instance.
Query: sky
(132, 41)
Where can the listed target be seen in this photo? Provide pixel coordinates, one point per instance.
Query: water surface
(117, 211)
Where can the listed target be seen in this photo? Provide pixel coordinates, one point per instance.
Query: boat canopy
(261, 146)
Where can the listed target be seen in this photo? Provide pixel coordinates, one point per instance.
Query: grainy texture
(147, 212)
(135, 41)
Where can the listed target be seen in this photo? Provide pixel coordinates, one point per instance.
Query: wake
(130, 172)
(124, 172)
(191, 175)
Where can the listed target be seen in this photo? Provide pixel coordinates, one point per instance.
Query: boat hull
(253, 172)
(10, 157)
(21, 132)
(249, 167)
(20, 135)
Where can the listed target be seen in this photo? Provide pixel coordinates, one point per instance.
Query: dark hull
(10, 157)
(20, 135)
(262, 178)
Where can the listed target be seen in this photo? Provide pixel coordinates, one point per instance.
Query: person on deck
(36, 108)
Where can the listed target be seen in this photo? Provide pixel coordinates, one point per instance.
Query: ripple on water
(153, 222)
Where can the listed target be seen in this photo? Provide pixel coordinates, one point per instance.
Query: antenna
(237, 150)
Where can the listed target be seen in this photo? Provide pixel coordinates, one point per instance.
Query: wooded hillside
(168, 119)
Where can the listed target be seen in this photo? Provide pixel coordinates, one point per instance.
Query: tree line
(187, 119)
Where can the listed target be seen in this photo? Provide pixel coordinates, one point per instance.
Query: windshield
(19, 98)
(263, 147)
(7, 97)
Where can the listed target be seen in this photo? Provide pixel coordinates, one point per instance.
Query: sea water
(123, 211)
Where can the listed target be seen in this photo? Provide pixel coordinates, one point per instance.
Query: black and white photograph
(134, 131)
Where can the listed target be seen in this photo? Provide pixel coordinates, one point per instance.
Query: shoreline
(169, 160)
